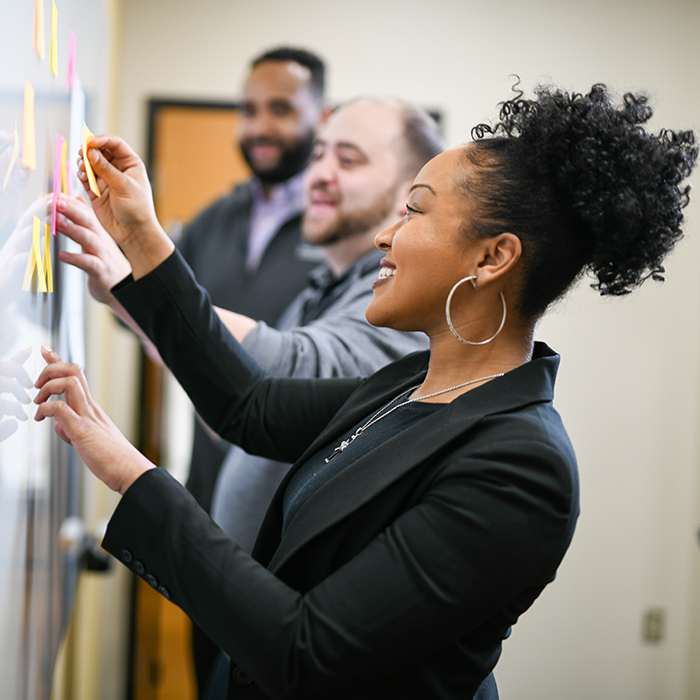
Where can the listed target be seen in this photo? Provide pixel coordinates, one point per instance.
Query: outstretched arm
(100, 259)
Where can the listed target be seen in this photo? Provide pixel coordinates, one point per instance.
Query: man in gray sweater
(362, 167)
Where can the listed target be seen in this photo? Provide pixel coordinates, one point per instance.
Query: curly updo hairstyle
(585, 188)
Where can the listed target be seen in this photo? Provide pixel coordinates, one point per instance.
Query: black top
(327, 463)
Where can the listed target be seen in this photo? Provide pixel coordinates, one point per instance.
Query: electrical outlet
(653, 625)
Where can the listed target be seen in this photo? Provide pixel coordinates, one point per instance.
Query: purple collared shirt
(268, 215)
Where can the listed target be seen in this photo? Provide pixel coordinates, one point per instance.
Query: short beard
(357, 223)
(292, 161)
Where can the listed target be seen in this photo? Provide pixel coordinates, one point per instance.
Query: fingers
(109, 156)
(76, 211)
(98, 172)
(86, 262)
(75, 398)
(48, 354)
(103, 168)
(112, 146)
(56, 369)
(84, 237)
(67, 421)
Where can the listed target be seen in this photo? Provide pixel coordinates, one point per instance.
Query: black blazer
(402, 575)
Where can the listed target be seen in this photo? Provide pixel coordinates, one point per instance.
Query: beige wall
(628, 387)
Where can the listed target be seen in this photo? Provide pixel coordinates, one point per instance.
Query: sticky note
(13, 160)
(39, 46)
(56, 190)
(70, 74)
(35, 261)
(54, 39)
(65, 171)
(28, 135)
(87, 137)
(47, 258)
(57, 177)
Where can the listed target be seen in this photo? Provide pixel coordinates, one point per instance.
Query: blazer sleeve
(461, 562)
(274, 418)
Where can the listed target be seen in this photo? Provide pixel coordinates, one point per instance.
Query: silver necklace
(383, 413)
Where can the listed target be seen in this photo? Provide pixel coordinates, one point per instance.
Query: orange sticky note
(39, 28)
(54, 39)
(13, 160)
(87, 137)
(35, 261)
(28, 135)
(47, 258)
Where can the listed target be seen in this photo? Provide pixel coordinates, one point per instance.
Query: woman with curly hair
(432, 502)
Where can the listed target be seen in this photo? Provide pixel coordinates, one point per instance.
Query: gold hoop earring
(449, 318)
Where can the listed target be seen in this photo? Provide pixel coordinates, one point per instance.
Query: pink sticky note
(70, 74)
(56, 190)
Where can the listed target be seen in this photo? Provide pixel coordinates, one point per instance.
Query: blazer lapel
(399, 456)
(367, 400)
(368, 477)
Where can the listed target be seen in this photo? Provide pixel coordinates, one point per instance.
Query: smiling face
(427, 251)
(278, 118)
(354, 184)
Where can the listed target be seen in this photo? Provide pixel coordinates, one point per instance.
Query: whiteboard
(40, 477)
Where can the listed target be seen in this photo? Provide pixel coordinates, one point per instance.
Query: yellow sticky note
(64, 169)
(87, 137)
(35, 262)
(47, 258)
(28, 135)
(13, 160)
(54, 39)
(39, 27)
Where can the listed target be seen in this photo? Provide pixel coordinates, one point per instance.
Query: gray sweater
(323, 333)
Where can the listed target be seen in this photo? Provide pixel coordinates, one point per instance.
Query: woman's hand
(101, 258)
(125, 207)
(81, 422)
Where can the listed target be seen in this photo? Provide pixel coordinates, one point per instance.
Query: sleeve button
(127, 556)
(241, 676)
(164, 592)
(151, 580)
(139, 568)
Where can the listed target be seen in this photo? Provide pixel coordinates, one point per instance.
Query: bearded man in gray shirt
(364, 161)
